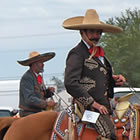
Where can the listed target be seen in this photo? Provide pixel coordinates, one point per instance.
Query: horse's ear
(5, 123)
(3, 132)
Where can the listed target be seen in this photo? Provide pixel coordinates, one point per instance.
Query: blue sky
(36, 25)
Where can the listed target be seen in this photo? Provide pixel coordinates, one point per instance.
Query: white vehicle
(121, 91)
(7, 111)
(9, 93)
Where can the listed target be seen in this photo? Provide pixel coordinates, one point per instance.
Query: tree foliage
(59, 83)
(123, 49)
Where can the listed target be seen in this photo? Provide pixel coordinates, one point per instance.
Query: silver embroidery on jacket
(91, 64)
(85, 100)
(103, 70)
(87, 83)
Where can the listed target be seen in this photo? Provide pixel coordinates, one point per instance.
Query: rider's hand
(101, 108)
(52, 89)
(51, 103)
(119, 80)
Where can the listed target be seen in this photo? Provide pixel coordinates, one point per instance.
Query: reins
(67, 106)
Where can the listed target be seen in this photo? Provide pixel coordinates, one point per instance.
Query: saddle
(65, 129)
(126, 121)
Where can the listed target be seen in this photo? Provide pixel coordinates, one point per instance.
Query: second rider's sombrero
(89, 21)
(35, 56)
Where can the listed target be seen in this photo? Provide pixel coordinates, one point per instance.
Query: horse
(34, 127)
(51, 125)
(37, 126)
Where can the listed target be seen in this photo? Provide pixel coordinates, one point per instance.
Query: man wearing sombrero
(88, 73)
(33, 93)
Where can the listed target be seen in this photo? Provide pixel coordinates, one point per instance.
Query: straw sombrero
(121, 108)
(35, 56)
(89, 21)
(125, 97)
(123, 105)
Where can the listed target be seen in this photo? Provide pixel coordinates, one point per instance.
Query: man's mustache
(95, 39)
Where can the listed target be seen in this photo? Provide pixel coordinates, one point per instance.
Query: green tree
(123, 49)
(59, 83)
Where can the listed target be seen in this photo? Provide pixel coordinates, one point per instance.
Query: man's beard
(39, 70)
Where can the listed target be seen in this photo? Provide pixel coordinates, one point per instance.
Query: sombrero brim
(42, 57)
(76, 23)
(125, 97)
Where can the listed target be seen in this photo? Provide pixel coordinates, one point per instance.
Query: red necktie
(99, 52)
(39, 79)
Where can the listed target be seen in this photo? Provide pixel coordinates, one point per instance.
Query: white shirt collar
(36, 74)
(86, 43)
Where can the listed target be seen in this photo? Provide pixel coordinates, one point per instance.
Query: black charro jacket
(88, 80)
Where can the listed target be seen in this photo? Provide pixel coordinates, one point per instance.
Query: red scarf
(99, 52)
(39, 79)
